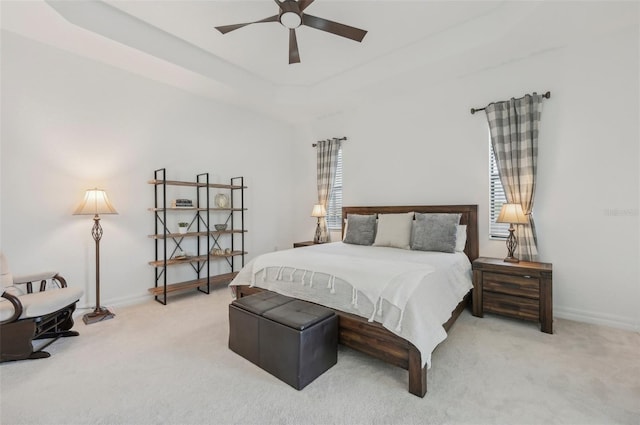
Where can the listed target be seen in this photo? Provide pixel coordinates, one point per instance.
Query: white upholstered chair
(26, 315)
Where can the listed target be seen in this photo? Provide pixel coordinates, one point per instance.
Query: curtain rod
(335, 138)
(547, 95)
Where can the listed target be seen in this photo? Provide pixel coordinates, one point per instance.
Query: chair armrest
(25, 278)
(42, 277)
(17, 307)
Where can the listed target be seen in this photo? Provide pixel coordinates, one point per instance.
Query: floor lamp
(96, 202)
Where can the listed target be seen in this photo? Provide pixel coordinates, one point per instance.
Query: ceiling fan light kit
(291, 16)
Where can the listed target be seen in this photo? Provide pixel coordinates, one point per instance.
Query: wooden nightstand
(521, 290)
(305, 243)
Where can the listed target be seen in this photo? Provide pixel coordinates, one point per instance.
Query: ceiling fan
(291, 17)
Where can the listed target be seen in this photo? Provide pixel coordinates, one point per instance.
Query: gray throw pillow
(361, 229)
(435, 232)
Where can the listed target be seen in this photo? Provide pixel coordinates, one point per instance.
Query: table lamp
(96, 202)
(319, 212)
(512, 214)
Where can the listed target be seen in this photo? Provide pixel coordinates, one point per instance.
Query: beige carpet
(157, 364)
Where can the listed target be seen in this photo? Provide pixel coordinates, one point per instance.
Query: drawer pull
(527, 276)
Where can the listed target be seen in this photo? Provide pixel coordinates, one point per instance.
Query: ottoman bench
(296, 341)
(244, 317)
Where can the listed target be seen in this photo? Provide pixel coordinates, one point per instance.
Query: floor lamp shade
(96, 202)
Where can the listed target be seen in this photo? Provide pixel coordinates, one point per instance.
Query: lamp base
(512, 243)
(316, 237)
(98, 315)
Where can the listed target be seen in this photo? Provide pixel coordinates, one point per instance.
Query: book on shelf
(176, 203)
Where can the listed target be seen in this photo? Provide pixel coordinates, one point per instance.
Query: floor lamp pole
(99, 313)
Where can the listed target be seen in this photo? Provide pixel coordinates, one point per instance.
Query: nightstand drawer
(512, 285)
(522, 308)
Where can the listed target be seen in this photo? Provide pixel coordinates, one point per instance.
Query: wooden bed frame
(372, 338)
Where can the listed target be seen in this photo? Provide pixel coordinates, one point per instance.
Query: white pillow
(461, 237)
(394, 230)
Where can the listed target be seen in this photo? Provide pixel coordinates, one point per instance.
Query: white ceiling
(175, 42)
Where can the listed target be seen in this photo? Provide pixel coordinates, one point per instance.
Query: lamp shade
(95, 202)
(318, 211)
(512, 213)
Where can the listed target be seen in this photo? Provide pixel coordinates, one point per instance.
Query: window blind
(334, 212)
(496, 199)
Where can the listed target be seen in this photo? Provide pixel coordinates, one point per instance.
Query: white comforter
(411, 293)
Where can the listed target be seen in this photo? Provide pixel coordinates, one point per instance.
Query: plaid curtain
(327, 153)
(514, 137)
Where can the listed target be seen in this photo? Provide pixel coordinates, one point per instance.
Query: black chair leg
(39, 355)
(59, 334)
(16, 337)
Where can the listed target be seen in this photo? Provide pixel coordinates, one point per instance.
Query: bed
(370, 327)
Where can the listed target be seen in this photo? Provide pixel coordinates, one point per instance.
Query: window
(496, 199)
(334, 212)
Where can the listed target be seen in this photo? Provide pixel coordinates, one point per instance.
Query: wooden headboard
(469, 216)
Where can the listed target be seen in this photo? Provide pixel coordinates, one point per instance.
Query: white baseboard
(612, 321)
(114, 303)
(126, 301)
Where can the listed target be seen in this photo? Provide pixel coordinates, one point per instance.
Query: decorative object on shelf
(96, 202)
(319, 212)
(218, 251)
(220, 227)
(183, 226)
(512, 214)
(181, 203)
(221, 200)
(227, 251)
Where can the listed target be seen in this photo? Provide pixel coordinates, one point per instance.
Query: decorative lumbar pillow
(461, 237)
(394, 230)
(435, 232)
(361, 229)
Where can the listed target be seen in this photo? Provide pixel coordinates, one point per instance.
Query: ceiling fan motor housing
(290, 14)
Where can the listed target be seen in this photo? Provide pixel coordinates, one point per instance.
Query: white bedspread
(411, 293)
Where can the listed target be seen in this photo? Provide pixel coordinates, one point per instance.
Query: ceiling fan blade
(294, 54)
(333, 27)
(228, 28)
(303, 4)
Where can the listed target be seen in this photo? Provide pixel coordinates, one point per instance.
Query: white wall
(69, 124)
(422, 146)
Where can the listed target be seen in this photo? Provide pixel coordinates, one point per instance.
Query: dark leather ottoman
(244, 317)
(298, 342)
(294, 340)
